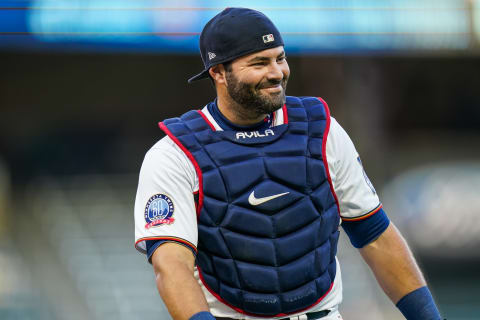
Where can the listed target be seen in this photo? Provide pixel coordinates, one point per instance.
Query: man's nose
(275, 71)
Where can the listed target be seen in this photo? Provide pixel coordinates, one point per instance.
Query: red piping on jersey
(185, 242)
(366, 215)
(285, 114)
(206, 120)
(194, 162)
(324, 152)
(254, 314)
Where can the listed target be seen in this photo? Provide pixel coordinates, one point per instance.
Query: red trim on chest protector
(285, 121)
(194, 162)
(285, 114)
(324, 152)
(254, 314)
(206, 120)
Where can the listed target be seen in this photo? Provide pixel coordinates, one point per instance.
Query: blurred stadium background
(84, 83)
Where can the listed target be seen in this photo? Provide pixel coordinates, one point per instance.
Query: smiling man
(252, 86)
(252, 190)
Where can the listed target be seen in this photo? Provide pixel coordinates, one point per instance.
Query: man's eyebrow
(260, 58)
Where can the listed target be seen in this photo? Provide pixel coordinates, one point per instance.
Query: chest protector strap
(267, 214)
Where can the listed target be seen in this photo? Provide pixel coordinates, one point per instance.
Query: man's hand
(173, 266)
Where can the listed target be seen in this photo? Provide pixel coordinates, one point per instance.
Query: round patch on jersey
(159, 211)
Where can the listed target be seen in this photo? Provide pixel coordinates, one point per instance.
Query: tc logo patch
(158, 211)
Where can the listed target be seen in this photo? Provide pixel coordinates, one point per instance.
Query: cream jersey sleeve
(356, 195)
(166, 186)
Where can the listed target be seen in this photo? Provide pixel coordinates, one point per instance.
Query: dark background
(64, 116)
(77, 114)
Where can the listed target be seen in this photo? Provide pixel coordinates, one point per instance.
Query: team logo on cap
(268, 38)
(211, 55)
(159, 211)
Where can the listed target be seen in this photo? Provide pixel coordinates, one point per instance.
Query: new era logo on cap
(268, 38)
(211, 55)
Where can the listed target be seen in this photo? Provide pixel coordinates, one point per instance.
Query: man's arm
(173, 266)
(399, 276)
(393, 264)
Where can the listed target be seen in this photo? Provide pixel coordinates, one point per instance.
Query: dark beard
(252, 99)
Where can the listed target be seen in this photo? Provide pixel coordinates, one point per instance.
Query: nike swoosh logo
(257, 201)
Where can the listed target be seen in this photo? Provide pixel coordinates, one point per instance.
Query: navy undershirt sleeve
(419, 305)
(203, 315)
(362, 232)
(152, 245)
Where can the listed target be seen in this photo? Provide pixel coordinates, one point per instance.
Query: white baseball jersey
(168, 174)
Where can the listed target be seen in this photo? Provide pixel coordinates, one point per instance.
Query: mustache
(272, 83)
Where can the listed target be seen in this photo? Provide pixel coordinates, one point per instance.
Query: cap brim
(202, 75)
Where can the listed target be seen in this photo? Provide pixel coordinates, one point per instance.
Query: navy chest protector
(267, 217)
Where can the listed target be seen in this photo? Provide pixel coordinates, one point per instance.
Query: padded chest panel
(264, 257)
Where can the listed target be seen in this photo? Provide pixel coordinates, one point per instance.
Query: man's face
(258, 81)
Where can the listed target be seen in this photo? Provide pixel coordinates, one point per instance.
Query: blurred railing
(79, 236)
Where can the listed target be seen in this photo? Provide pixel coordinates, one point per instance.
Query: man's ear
(217, 73)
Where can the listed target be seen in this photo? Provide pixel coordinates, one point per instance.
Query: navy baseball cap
(233, 33)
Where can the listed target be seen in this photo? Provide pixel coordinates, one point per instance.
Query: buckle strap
(317, 314)
(310, 316)
(313, 315)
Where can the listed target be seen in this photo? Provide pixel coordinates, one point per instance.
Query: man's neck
(236, 114)
(227, 125)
